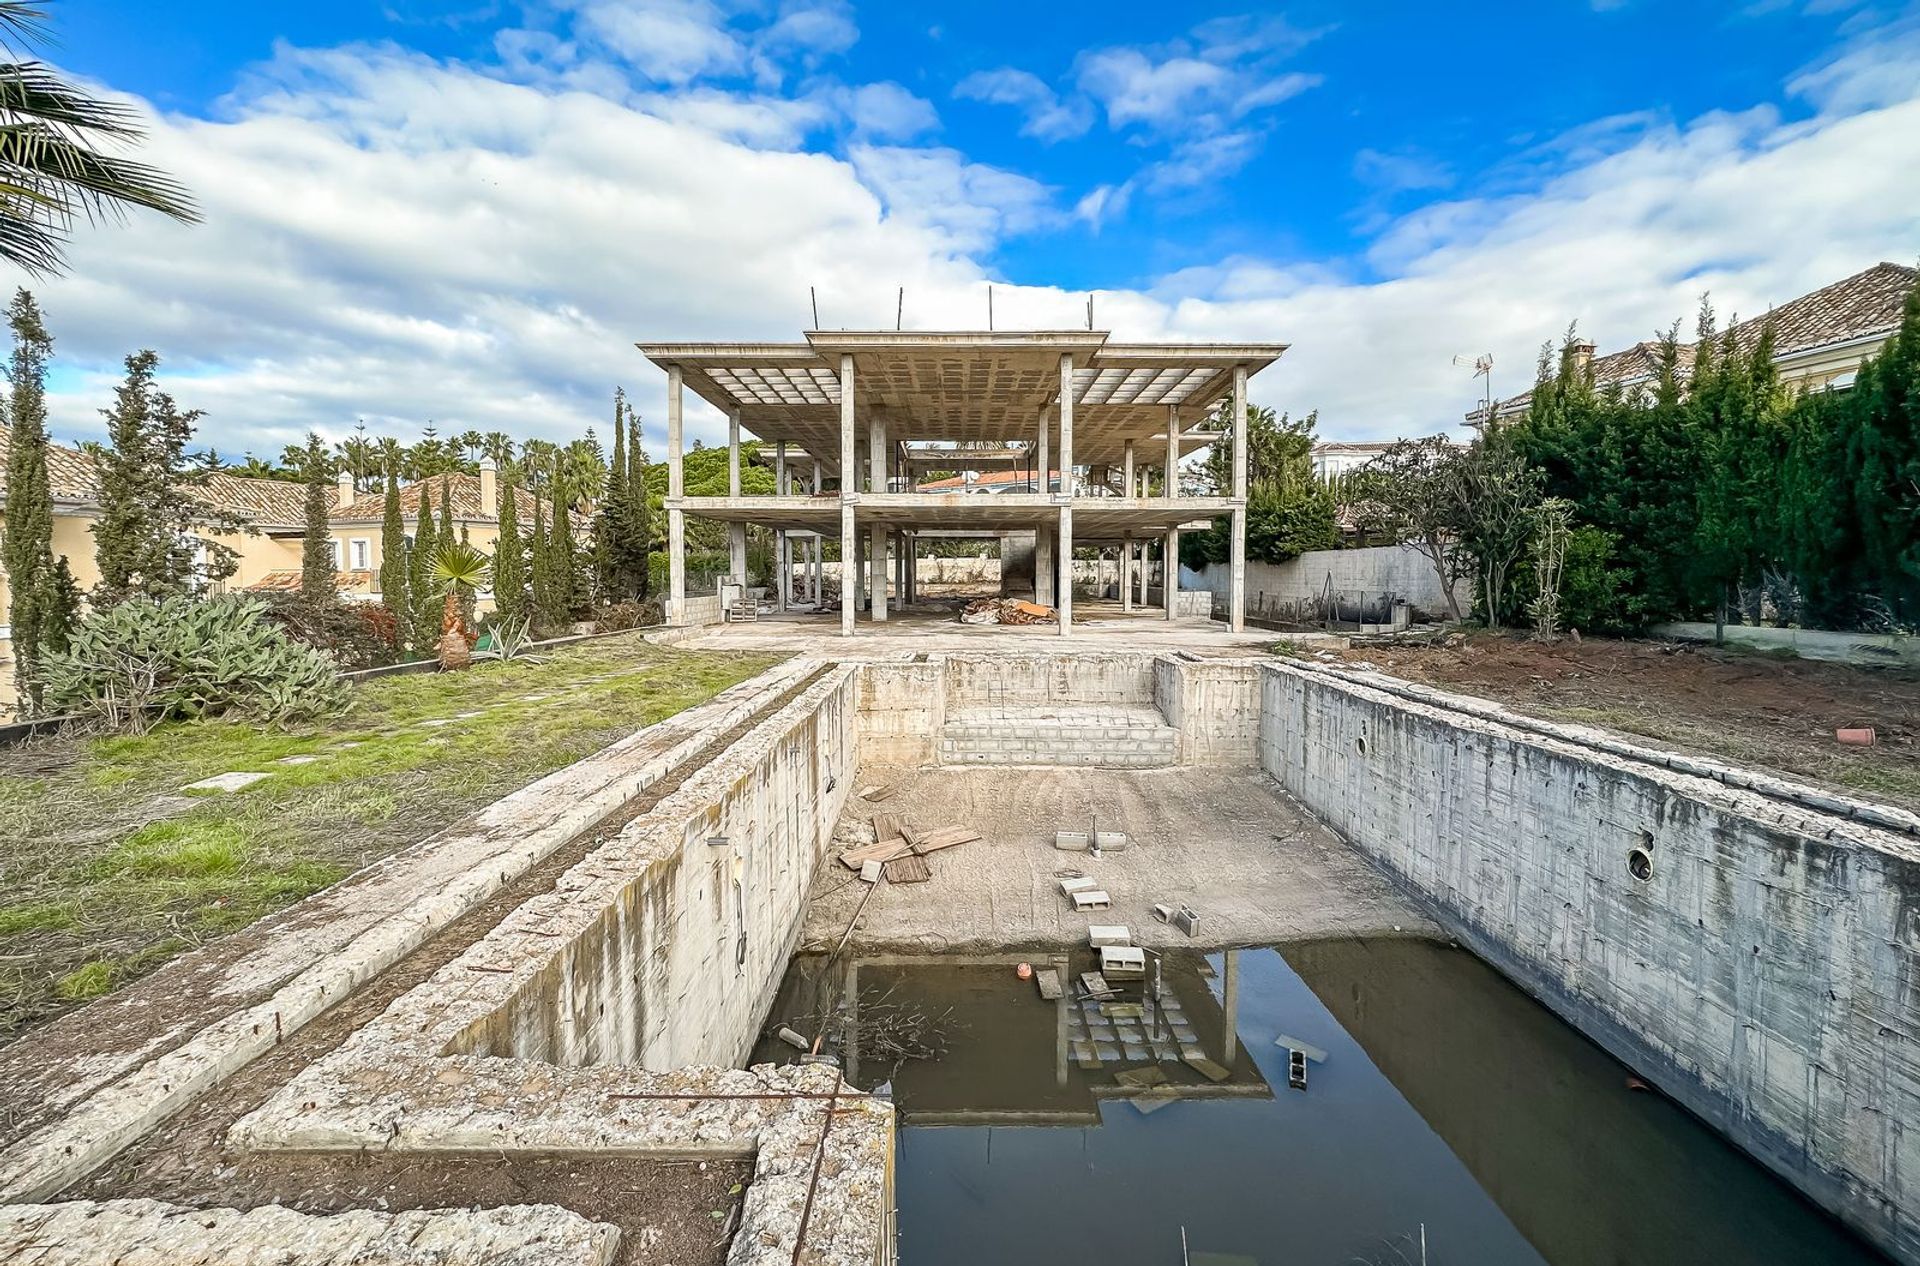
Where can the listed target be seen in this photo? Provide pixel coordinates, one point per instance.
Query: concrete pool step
(1109, 736)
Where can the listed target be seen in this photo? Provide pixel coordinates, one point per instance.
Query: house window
(336, 553)
(362, 554)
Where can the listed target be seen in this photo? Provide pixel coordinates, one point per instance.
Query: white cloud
(886, 111)
(398, 239)
(1049, 116)
(668, 40)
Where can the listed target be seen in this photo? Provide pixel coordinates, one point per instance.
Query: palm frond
(34, 91)
(459, 565)
(23, 23)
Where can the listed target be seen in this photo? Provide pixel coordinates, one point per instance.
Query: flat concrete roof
(966, 386)
(1095, 520)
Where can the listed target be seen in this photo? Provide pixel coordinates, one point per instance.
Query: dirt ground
(1758, 709)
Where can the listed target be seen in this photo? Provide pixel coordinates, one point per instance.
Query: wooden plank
(1207, 1068)
(888, 826)
(943, 837)
(909, 868)
(884, 851)
(1047, 979)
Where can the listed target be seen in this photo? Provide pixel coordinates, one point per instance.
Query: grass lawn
(107, 868)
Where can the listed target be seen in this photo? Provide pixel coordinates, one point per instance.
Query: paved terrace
(843, 407)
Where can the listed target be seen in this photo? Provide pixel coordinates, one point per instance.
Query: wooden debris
(875, 794)
(883, 851)
(933, 841)
(908, 869)
(1049, 982)
(888, 826)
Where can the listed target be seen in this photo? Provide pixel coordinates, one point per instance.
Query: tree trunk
(455, 650)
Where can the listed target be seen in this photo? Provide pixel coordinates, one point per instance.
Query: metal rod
(814, 299)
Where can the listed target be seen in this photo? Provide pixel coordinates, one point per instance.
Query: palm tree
(459, 571)
(51, 169)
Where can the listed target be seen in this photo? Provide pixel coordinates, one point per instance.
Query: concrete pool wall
(1750, 954)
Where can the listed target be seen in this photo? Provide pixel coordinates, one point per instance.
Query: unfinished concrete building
(856, 417)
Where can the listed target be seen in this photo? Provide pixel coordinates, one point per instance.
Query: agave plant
(459, 571)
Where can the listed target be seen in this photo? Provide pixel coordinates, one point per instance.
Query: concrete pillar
(1043, 465)
(1066, 423)
(1126, 472)
(1065, 604)
(849, 482)
(676, 517)
(1230, 1009)
(736, 532)
(1237, 603)
(877, 482)
(737, 551)
(1170, 565)
(1173, 452)
(1143, 570)
(818, 552)
(1043, 566)
(782, 551)
(1126, 563)
(733, 452)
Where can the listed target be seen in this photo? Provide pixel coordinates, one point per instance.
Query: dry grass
(108, 868)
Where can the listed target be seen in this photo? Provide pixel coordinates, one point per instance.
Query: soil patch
(1756, 709)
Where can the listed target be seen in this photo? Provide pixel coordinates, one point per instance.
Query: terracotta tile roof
(288, 581)
(1865, 305)
(69, 471)
(463, 496)
(264, 502)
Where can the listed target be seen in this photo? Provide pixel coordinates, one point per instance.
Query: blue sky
(469, 210)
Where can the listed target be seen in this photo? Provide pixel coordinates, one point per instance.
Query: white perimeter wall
(1399, 569)
(1766, 976)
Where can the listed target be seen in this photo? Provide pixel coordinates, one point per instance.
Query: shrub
(142, 662)
(626, 615)
(356, 634)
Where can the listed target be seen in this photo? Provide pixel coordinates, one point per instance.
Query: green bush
(142, 662)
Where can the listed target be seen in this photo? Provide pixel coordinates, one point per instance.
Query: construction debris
(1096, 985)
(1207, 1068)
(1048, 980)
(793, 1039)
(1142, 1078)
(1104, 934)
(1312, 1052)
(870, 872)
(910, 869)
(1091, 899)
(889, 826)
(1181, 916)
(1123, 962)
(933, 841)
(882, 851)
(1078, 883)
(1007, 611)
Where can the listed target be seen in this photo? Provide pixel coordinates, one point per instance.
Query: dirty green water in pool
(1448, 1105)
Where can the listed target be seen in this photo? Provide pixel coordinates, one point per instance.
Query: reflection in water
(1441, 1103)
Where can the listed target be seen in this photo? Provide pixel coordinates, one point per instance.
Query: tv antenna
(814, 299)
(1482, 368)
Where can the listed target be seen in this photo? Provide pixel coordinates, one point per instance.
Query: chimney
(346, 489)
(1582, 356)
(489, 489)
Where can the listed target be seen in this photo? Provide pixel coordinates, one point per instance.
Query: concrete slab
(239, 780)
(1225, 841)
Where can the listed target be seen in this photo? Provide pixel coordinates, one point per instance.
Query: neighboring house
(1819, 339)
(274, 510)
(991, 482)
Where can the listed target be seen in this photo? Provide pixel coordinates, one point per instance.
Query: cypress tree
(394, 588)
(565, 567)
(541, 566)
(316, 551)
(640, 518)
(509, 561)
(145, 543)
(611, 523)
(41, 607)
(426, 607)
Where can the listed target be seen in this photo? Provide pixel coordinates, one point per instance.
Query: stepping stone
(237, 781)
(437, 722)
(468, 716)
(296, 760)
(350, 743)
